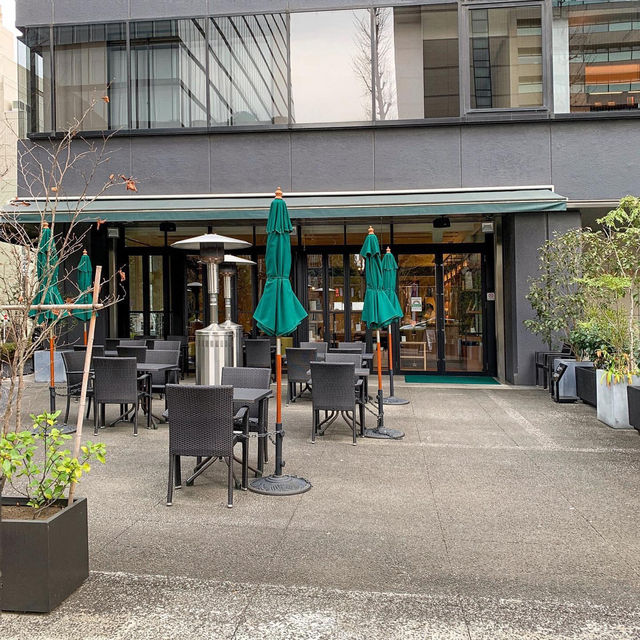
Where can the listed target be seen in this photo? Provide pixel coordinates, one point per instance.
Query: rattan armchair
(335, 392)
(258, 353)
(138, 352)
(253, 378)
(159, 379)
(298, 361)
(320, 347)
(201, 425)
(116, 381)
(74, 368)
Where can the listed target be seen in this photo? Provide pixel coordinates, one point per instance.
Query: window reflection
(168, 74)
(34, 76)
(417, 62)
(91, 63)
(331, 66)
(248, 69)
(506, 57)
(596, 57)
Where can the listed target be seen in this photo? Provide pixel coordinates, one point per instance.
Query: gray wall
(40, 12)
(522, 235)
(585, 160)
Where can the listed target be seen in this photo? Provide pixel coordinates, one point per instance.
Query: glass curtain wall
(596, 56)
(416, 65)
(248, 70)
(168, 74)
(35, 73)
(331, 66)
(91, 77)
(505, 53)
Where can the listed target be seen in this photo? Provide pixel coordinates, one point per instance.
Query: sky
(8, 13)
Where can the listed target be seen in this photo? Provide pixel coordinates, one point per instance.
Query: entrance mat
(423, 379)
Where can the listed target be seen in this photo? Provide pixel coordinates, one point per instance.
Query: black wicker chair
(116, 381)
(96, 352)
(111, 344)
(201, 424)
(298, 361)
(159, 379)
(250, 378)
(320, 347)
(352, 345)
(334, 393)
(356, 360)
(137, 352)
(166, 345)
(257, 354)
(132, 342)
(74, 368)
(184, 351)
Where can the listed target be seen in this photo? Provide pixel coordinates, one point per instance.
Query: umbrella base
(382, 433)
(279, 485)
(394, 400)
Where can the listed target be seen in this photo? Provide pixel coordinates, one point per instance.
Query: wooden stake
(85, 376)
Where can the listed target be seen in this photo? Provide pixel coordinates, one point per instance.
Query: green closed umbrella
(378, 312)
(389, 277)
(85, 273)
(47, 272)
(278, 314)
(48, 293)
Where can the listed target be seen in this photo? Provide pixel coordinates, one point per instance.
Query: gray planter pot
(567, 391)
(586, 385)
(43, 561)
(613, 406)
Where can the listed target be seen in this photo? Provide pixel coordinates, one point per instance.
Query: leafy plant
(38, 465)
(558, 295)
(588, 339)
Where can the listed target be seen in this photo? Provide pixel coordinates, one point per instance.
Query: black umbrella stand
(381, 432)
(279, 484)
(391, 398)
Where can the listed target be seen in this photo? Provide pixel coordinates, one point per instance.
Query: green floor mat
(424, 379)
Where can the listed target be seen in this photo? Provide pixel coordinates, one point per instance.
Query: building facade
(465, 133)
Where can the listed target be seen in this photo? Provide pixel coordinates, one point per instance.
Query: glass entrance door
(442, 327)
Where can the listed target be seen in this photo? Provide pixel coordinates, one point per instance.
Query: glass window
(34, 75)
(244, 290)
(156, 296)
(331, 66)
(91, 76)
(315, 295)
(329, 235)
(336, 299)
(506, 71)
(168, 74)
(593, 49)
(356, 233)
(416, 75)
(248, 70)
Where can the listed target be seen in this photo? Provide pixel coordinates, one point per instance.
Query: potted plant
(614, 289)
(47, 536)
(559, 299)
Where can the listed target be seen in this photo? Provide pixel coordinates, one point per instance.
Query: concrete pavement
(500, 515)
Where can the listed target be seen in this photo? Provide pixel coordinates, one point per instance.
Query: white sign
(416, 304)
(491, 296)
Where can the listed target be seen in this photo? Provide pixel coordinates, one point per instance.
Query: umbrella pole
(278, 484)
(279, 434)
(391, 398)
(381, 431)
(84, 331)
(52, 375)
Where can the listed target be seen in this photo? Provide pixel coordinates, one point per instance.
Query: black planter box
(586, 385)
(43, 561)
(633, 397)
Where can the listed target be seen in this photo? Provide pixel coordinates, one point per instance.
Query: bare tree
(374, 62)
(44, 169)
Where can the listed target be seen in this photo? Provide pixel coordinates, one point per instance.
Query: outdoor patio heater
(228, 269)
(214, 344)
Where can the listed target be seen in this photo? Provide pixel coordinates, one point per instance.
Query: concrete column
(523, 234)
